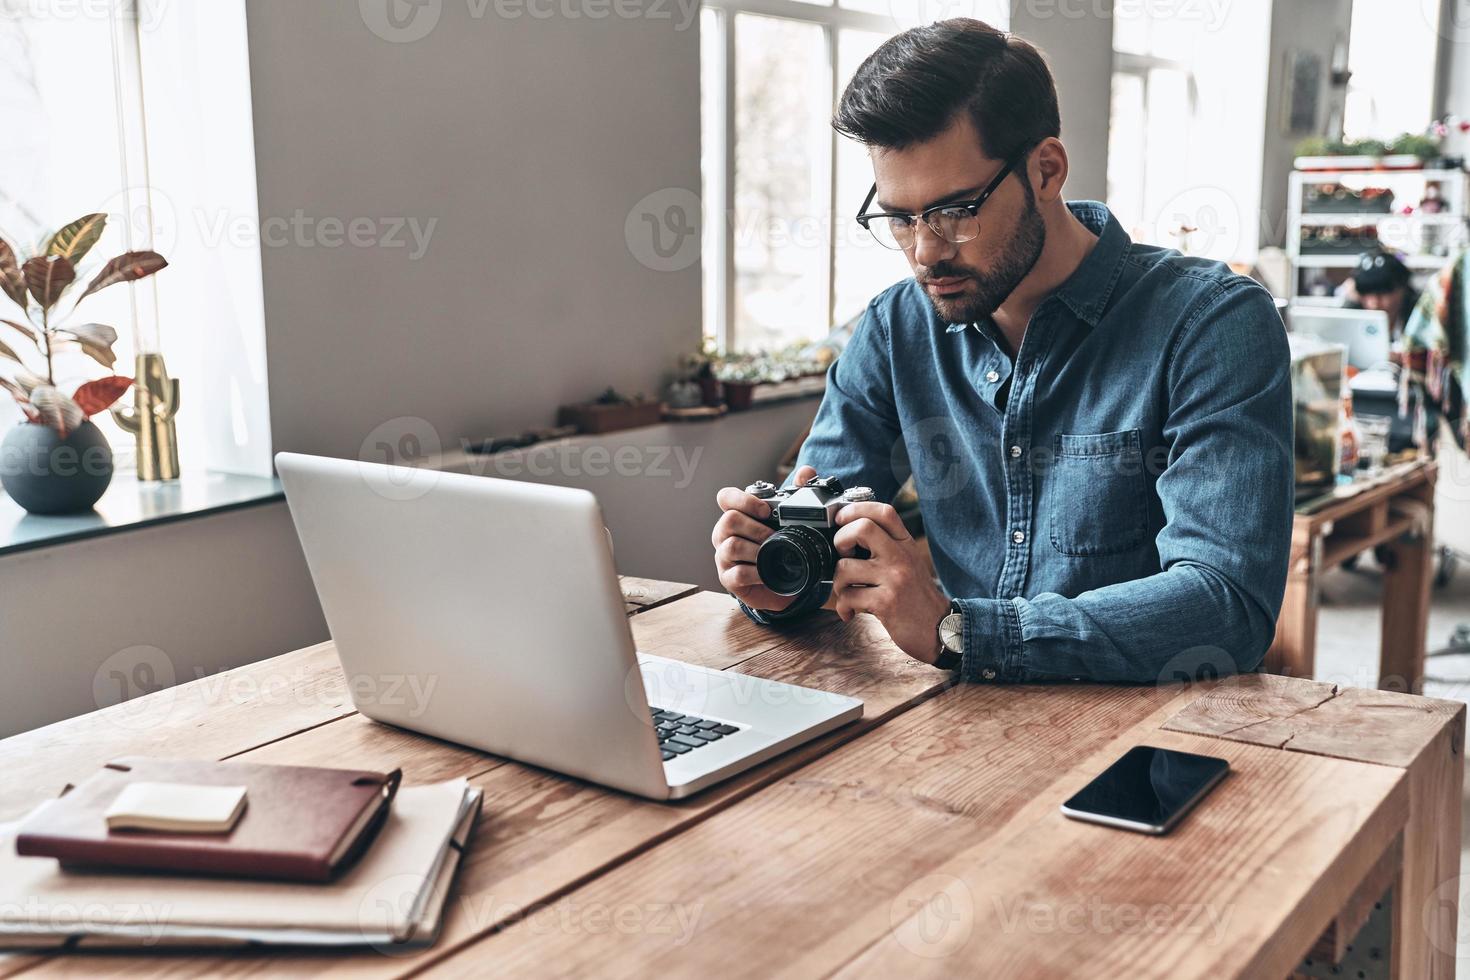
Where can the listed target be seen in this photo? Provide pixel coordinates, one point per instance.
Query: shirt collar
(1088, 289)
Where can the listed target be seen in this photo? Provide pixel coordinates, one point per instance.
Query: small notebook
(395, 894)
(178, 808)
(299, 823)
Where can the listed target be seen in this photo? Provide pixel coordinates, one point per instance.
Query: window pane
(61, 160)
(782, 98)
(710, 166)
(1392, 58)
(1127, 165)
(864, 268)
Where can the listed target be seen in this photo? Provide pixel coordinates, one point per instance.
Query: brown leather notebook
(299, 824)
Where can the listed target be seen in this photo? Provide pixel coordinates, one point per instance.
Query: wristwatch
(951, 638)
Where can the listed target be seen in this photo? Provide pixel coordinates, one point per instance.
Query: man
(1100, 432)
(1382, 282)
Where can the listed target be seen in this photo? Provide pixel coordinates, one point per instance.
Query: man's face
(969, 281)
(1387, 302)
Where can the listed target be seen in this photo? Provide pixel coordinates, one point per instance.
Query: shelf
(1351, 261)
(1318, 219)
(130, 503)
(1335, 176)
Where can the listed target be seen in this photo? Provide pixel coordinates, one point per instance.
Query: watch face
(951, 632)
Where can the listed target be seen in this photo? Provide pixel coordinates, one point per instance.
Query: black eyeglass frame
(863, 216)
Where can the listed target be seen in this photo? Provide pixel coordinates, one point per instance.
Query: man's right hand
(738, 536)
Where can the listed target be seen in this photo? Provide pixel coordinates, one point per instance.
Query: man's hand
(737, 537)
(894, 585)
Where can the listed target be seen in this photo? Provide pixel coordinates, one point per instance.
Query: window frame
(719, 205)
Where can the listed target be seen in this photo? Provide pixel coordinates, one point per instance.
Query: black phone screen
(1149, 786)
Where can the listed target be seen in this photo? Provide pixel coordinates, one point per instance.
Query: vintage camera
(799, 559)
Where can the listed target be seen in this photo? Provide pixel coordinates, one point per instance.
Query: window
(1185, 147)
(69, 133)
(1392, 56)
(783, 260)
(178, 178)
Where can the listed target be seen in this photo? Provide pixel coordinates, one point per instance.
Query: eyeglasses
(955, 223)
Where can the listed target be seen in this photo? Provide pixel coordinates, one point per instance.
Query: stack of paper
(394, 894)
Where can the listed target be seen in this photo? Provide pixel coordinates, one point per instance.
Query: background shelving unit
(1426, 239)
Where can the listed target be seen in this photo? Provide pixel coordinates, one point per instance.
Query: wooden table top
(924, 839)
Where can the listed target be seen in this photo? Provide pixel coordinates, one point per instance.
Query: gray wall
(1078, 42)
(1314, 25)
(85, 623)
(529, 141)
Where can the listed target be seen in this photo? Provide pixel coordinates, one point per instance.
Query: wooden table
(1394, 513)
(923, 840)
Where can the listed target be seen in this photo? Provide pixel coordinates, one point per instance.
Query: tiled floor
(1347, 653)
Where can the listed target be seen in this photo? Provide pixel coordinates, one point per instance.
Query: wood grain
(805, 875)
(210, 717)
(1425, 737)
(810, 863)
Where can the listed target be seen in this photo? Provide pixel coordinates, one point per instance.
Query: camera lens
(793, 560)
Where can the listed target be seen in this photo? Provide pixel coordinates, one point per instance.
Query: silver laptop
(488, 612)
(1363, 332)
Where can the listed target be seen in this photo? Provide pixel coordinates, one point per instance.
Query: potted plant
(611, 412)
(739, 377)
(57, 461)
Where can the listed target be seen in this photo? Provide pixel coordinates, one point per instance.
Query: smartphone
(1148, 790)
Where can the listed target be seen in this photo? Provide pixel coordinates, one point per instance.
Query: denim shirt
(1116, 502)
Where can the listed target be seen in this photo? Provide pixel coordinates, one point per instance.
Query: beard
(988, 290)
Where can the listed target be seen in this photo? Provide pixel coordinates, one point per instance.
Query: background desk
(924, 839)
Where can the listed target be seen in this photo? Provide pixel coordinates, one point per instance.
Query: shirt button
(988, 674)
(1018, 536)
(992, 376)
(1015, 452)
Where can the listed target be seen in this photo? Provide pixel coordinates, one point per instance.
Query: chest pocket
(1099, 495)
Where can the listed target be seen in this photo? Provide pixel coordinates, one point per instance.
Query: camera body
(799, 559)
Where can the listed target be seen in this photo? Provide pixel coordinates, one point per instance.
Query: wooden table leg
(1407, 578)
(1293, 653)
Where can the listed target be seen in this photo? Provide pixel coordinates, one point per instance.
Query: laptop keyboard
(678, 734)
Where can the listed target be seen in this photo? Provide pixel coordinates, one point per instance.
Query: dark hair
(1379, 272)
(910, 89)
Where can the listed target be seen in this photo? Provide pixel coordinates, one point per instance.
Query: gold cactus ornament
(151, 419)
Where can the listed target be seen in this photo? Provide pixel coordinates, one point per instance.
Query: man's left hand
(895, 584)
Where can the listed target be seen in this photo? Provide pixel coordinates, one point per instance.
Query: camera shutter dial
(761, 489)
(859, 495)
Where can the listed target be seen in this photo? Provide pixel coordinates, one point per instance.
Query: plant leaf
(12, 283)
(57, 410)
(28, 382)
(96, 340)
(26, 331)
(101, 354)
(128, 267)
(75, 240)
(98, 396)
(20, 396)
(6, 352)
(48, 276)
